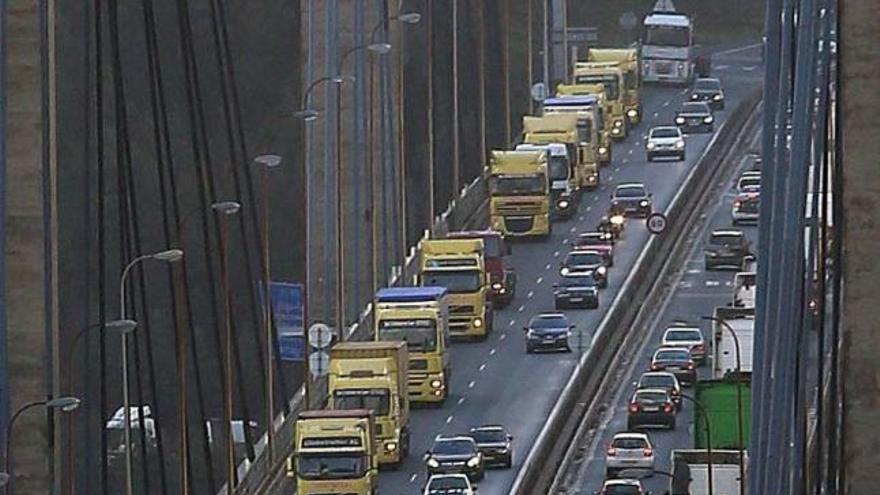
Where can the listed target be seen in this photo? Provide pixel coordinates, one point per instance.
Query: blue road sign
(287, 314)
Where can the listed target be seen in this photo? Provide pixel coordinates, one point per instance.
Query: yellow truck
(578, 133)
(519, 193)
(610, 75)
(335, 452)
(628, 60)
(459, 266)
(418, 316)
(601, 107)
(373, 375)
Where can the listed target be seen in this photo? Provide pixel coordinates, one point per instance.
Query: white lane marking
(749, 68)
(492, 351)
(666, 103)
(530, 294)
(712, 283)
(728, 283)
(694, 271)
(684, 91)
(721, 67)
(565, 241)
(555, 255)
(471, 384)
(512, 323)
(540, 279)
(503, 336)
(547, 266)
(624, 160)
(610, 177)
(630, 151)
(482, 366)
(460, 401)
(521, 308)
(589, 208)
(616, 169)
(413, 478)
(581, 218)
(656, 114)
(595, 198)
(573, 230)
(449, 419)
(738, 49)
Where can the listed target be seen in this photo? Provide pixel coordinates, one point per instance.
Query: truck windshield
(610, 81)
(331, 466)
(457, 282)
(668, 36)
(419, 335)
(558, 168)
(375, 399)
(521, 185)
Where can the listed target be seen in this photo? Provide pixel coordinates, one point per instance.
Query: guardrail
(553, 441)
(467, 210)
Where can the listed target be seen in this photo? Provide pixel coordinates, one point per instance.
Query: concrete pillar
(860, 114)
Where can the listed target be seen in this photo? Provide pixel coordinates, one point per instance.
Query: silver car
(665, 141)
(689, 337)
(629, 451)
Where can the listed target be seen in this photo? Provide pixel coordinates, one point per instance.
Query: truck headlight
(497, 286)
(708, 119)
(433, 463)
(601, 270)
(695, 96)
(478, 322)
(650, 145)
(618, 123)
(643, 203)
(679, 120)
(390, 446)
(679, 144)
(436, 384)
(617, 219)
(632, 113)
(603, 150)
(718, 97)
(616, 130)
(473, 461)
(562, 204)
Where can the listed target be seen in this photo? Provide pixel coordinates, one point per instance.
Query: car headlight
(679, 144)
(679, 120)
(478, 322)
(562, 204)
(436, 384)
(717, 97)
(603, 150)
(617, 219)
(708, 119)
(711, 254)
(390, 446)
(497, 286)
(631, 113)
(433, 463)
(564, 270)
(473, 461)
(601, 270)
(695, 96)
(651, 145)
(606, 236)
(643, 203)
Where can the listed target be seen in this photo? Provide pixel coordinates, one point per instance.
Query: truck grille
(528, 208)
(461, 310)
(418, 364)
(519, 224)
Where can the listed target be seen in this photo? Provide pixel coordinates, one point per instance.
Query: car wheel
(529, 349)
(650, 158)
(610, 473)
(672, 423)
(682, 157)
(567, 348)
(508, 463)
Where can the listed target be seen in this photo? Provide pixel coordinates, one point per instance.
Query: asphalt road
(696, 294)
(496, 381)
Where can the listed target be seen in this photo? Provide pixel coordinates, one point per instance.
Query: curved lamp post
(708, 425)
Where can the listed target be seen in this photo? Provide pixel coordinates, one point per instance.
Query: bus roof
(410, 294)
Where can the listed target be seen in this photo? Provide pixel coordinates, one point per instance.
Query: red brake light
(667, 408)
(690, 365)
(634, 407)
(699, 347)
(611, 451)
(655, 366)
(737, 203)
(648, 452)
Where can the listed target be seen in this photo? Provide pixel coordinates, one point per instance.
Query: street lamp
(63, 404)
(708, 425)
(226, 209)
(739, 401)
(168, 256)
(266, 164)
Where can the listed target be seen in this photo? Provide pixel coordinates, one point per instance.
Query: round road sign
(656, 223)
(539, 92)
(320, 335)
(319, 363)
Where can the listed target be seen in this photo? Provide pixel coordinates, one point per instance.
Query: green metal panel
(719, 399)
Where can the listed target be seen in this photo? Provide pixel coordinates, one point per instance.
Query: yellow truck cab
(458, 265)
(564, 187)
(335, 452)
(577, 133)
(373, 375)
(519, 193)
(600, 109)
(609, 75)
(628, 61)
(418, 316)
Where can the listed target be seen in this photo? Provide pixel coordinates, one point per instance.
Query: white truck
(744, 288)
(742, 322)
(693, 465)
(668, 46)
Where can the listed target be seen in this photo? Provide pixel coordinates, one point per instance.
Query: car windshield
(583, 259)
(374, 399)
(629, 443)
(630, 192)
(668, 36)
(457, 282)
(318, 466)
(447, 482)
(453, 447)
(578, 281)
(694, 108)
(489, 436)
(518, 185)
(726, 240)
(594, 239)
(683, 335)
(558, 167)
(419, 335)
(651, 397)
(610, 81)
(549, 322)
(707, 85)
(657, 381)
(622, 490)
(665, 132)
(672, 355)
(749, 182)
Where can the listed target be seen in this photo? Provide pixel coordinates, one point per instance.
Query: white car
(629, 451)
(626, 486)
(686, 336)
(665, 141)
(449, 484)
(748, 182)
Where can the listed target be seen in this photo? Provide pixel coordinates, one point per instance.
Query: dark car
(708, 90)
(602, 242)
(727, 248)
(695, 117)
(455, 455)
(495, 444)
(676, 360)
(576, 290)
(549, 331)
(634, 199)
(651, 407)
(587, 262)
(661, 379)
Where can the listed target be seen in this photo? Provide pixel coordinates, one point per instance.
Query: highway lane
(495, 381)
(697, 292)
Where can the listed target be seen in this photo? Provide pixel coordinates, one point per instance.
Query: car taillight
(655, 367)
(667, 408)
(690, 365)
(699, 347)
(611, 451)
(737, 203)
(634, 407)
(648, 452)
(675, 392)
